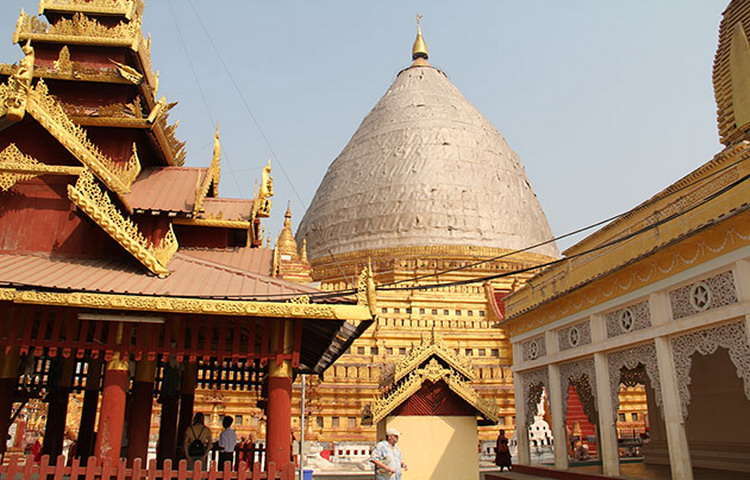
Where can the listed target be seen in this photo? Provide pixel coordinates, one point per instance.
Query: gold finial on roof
(303, 251)
(419, 49)
(286, 243)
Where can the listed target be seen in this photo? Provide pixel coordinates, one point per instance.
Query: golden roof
(731, 74)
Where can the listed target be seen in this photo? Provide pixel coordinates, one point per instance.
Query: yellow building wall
(437, 448)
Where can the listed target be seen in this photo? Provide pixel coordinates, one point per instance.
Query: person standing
(387, 457)
(197, 442)
(227, 442)
(502, 452)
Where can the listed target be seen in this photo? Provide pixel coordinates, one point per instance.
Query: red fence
(25, 468)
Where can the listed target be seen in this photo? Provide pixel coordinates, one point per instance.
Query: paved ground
(642, 471)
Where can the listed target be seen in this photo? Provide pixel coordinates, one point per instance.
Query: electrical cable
(206, 105)
(244, 102)
(569, 234)
(385, 287)
(580, 254)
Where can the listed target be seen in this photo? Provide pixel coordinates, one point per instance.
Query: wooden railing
(25, 468)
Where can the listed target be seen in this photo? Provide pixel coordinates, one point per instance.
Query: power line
(245, 103)
(580, 254)
(206, 105)
(390, 287)
(569, 234)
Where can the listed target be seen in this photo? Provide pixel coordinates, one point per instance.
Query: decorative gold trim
(212, 222)
(213, 175)
(63, 64)
(562, 279)
(423, 352)
(432, 372)
(78, 74)
(128, 73)
(262, 202)
(242, 308)
(366, 293)
(110, 122)
(51, 115)
(90, 198)
(79, 30)
(124, 8)
(14, 93)
(167, 247)
(15, 167)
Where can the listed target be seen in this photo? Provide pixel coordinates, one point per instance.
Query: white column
(679, 450)
(607, 426)
(522, 432)
(558, 419)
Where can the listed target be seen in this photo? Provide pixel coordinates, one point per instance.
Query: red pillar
(85, 443)
(8, 383)
(279, 410)
(187, 402)
(139, 414)
(112, 412)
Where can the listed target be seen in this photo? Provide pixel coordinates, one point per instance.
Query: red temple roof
(190, 277)
(168, 189)
(229, 208)
(257, 260)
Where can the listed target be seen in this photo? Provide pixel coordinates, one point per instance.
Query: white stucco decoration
(731, 336)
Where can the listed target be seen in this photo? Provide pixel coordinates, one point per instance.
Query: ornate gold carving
(79, 29)
(160, 109)
(128, 73)
(167, 247)
(202, 306)
(366, 293)
(14, 93)
(95, 202)
(421, 353)
(16, 167)
(112, 110)
(432, 372)
(63, 64)
(79, 73)
(213, 175)
(51, 115)
(302, 299)
(125, 8)
(262, 203)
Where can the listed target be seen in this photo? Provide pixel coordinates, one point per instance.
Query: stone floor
(642, 471)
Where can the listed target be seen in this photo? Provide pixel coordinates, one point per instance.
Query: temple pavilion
(660, 299)
(124, 274)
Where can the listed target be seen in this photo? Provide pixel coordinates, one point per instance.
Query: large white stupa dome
(424, 168)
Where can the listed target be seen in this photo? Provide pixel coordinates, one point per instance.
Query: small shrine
(432, 402)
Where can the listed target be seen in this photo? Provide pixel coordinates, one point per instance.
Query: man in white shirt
(387, 457)
(227, 442)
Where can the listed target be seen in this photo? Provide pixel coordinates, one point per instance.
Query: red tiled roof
(190, 277)
(228, 208)
(166, 188)
(255, 260)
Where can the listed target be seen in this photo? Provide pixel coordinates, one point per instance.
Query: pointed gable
(433, 380)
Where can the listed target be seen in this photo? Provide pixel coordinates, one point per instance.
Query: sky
(606, 102)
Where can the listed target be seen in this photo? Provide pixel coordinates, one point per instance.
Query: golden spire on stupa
(419, 51)
(286, 243)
